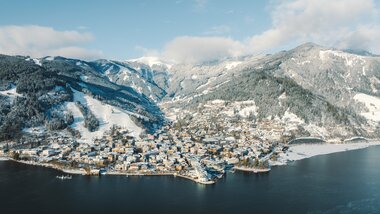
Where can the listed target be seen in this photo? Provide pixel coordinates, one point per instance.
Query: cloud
(366, 37)
(340, 23)
(39, 41)
(147, 51)
(320, 21)
(188, 49)
(77, 53)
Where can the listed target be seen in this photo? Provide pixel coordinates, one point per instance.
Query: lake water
(347, 182)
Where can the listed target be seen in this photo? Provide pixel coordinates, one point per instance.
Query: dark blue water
(347, 182)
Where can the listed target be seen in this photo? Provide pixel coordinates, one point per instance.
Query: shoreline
(254, 170)
(190, 178)
(295, 153)
(174, 174)
(4, 158)
(303, 151)
(111, 173)
(52, 166)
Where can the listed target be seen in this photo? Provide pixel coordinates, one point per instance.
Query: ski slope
(106, 114)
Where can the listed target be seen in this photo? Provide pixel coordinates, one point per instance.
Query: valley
(149, 117)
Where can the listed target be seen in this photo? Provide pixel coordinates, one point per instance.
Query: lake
(346, 182)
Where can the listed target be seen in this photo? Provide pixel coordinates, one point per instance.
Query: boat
(219, 176)
(103, 171)
(64, 177)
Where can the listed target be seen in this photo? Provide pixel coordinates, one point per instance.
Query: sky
(183, 31)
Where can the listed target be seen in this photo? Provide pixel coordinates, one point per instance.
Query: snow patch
(37, 62)
(372, 104)
(35, 130)
(218, 101)
(229, 112)
(282, 96)
(349, 59)
(246, 111)
(304, 62)
(211, 79)
(290, 117)
(11, 93)
(232, 65)
(315, 130)
(84, 78)
(374, 82)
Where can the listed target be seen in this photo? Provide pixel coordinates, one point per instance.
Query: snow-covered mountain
(313, 67)
(310, 90)
(70, 97)
(147, 79)
(322, 87)
(332, 91)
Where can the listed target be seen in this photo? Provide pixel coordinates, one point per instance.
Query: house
(133, 168)
(48, 152)
(29, 152)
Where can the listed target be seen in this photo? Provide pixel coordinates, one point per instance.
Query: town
(201, 147)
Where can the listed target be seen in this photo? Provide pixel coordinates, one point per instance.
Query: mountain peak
(151, 61)
(308, 45)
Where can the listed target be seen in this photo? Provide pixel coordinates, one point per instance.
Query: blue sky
(169, 28)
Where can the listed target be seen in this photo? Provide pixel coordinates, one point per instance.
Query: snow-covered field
(106, 114)
(302, 151)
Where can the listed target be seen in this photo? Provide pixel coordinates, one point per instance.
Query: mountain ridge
(319, 87)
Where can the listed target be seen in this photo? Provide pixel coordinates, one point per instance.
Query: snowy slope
(35, 60)
(106, 114)
(147, 79)
(372, 104)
